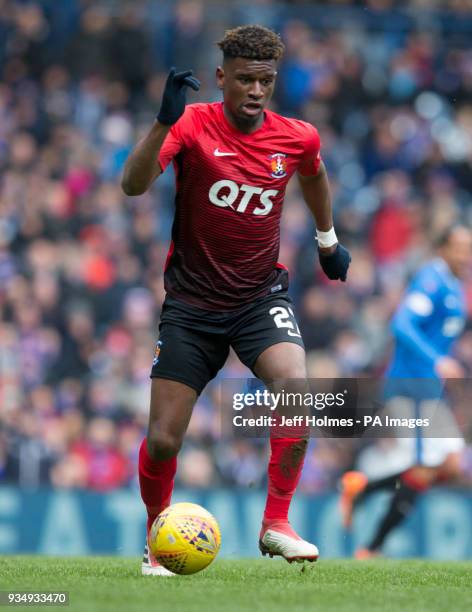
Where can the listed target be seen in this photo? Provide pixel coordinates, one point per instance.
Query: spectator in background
(103, 466)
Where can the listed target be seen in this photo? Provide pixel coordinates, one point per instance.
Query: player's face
(247, 87)
(458, 252)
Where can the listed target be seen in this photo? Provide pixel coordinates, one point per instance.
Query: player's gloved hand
(335, 264)
(173, 98)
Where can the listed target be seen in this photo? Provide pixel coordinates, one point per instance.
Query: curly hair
(252, 42)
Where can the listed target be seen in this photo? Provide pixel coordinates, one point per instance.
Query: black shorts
(194, 343)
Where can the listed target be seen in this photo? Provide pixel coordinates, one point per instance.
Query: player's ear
(220, 77)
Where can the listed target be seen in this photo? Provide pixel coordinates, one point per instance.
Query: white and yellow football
(185, 538)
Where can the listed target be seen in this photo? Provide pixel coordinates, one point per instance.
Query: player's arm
(408, 328)
(142, 167)
(334, 258)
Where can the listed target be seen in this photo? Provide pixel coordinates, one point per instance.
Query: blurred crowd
(81, 264)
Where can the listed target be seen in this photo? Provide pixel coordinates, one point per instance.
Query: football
(185, 538)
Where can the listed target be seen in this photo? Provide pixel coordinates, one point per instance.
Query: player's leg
(413, 482)
(266, 339)
(439, 461)
(283, 361)
(450, 469)
(355, 487)
(433, 460)
(171, 408)
(407, 485)
(186, 360)
(410, 485)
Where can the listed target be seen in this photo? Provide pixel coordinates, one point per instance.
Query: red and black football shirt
(230, 191)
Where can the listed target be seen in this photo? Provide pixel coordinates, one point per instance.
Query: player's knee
(451, 468)
(419, 478)
(162, 445)
(291, 372)
(288, 371)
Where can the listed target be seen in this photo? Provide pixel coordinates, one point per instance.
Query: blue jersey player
(427, 323)
(425, 327)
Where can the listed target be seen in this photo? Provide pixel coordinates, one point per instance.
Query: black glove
(335, 264)
(173, 98)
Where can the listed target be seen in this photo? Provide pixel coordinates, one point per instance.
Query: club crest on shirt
(278, 164)
(157, 352)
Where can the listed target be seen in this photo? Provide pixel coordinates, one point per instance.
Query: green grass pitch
(113, 583)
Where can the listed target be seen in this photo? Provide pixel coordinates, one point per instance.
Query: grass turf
(112, 583)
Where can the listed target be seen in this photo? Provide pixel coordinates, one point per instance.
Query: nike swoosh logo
(218, 153)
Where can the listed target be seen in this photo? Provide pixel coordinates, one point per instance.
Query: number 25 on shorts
(285, 317)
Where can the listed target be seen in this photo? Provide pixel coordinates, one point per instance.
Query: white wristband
(326, 239)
